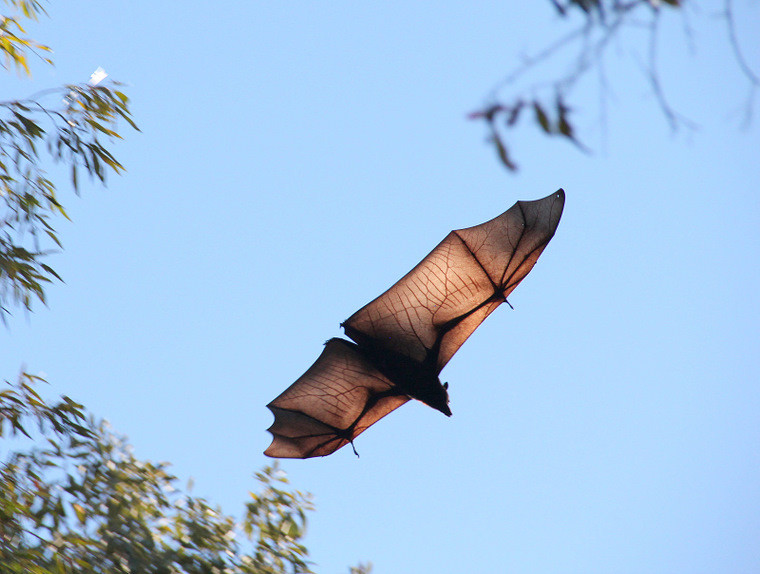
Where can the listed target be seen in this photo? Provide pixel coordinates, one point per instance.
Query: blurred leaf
(501, 149)
(541, 117)
(514, 113)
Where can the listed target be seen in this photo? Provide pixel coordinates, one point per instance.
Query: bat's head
(437, 396)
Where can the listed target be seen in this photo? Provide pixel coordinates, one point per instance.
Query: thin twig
(674, 118)
(531, 61)
(33, 98)
(744, 66)
(740, 59)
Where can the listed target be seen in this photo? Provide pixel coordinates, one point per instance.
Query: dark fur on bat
(414, 379)
(402, 337)
(410, 378)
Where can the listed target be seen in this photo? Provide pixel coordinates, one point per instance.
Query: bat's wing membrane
(333, 402)
(439, 303)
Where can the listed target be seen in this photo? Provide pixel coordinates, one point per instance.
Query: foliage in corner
(73, 133)
(14, 46)
(595, 25)
(74, 499)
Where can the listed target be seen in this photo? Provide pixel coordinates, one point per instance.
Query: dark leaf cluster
(593, 26)
(554, 121)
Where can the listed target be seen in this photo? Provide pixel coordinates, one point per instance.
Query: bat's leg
(348, 432)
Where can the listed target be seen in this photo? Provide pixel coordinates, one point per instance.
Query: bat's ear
(446, 386)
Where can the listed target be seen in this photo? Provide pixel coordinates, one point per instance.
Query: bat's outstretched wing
(406, 336)
(431, 311)
(330, 404)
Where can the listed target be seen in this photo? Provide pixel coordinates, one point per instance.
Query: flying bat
(403, 339)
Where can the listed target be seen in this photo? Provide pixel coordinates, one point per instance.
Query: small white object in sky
(97, 76)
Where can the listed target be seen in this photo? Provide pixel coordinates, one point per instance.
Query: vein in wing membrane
(408, 334)
(437, 305)
(406, 318)
(509, 245)
(318, 413)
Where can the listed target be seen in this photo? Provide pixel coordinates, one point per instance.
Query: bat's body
(407, 335)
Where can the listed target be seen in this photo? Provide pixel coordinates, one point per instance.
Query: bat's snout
(440, 401)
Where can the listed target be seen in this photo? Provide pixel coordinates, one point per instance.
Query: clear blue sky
(297, 158)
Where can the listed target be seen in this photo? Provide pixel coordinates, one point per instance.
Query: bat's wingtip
(282, 447)
(558, 195)
(548, 210)
(273, 450)
(554, 201)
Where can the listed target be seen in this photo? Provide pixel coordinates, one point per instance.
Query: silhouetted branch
(746, 69)
(674, 118)
(735, 46)
(603, 21)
